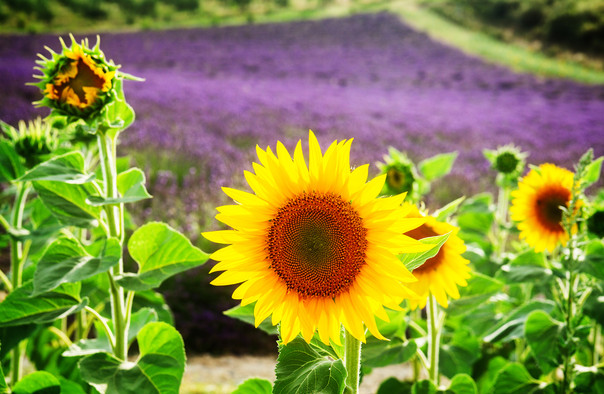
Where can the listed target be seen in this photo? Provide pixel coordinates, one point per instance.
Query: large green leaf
(525, 273)
(130, 184)
(512, 326)
(159, 368)
(254, 386)
(302, 369)
(10, 336)
(437, 166)
(66, 261)
(543, 334)
(39, 382)
(463, 384)
(160, 252)
(414, 260)
(460, 354)
(246, 314)
(479, 289)
(68, 168)
(68, 202)
(20, 307)
(10, 163)
(515, 379)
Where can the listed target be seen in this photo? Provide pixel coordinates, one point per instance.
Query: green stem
(101, 319)
(352, 360)
(434, 330)
(119, 313)
(503, 201)
(568, 366)
(17, 258)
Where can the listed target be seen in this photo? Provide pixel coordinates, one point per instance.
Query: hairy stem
(434, 330)
(17, 258)
(352, 360)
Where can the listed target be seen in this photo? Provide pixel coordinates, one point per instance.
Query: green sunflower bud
(32, 140)
(78, 82)
(401, 175)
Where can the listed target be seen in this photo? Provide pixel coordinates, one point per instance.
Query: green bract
(32, 140)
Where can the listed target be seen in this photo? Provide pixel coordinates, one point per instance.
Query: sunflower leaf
(38, 382)
(543, 334)
(67, 202)
(159, 368)
(412, 261)
(254, 386)
(301, 369)
(160, 252)
(437, 166)
(514, 378)
(68, 168)
(65, 260)
(10, 163)
(130, 184)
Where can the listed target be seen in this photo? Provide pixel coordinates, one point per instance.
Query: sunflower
(313, 246)
(78, 81)
(536, 206)
(439, 275)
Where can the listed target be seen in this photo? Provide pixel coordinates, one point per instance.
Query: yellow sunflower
(313, 246)
(439, 275)
(536, 206)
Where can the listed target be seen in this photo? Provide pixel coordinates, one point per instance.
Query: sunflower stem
(119, 313)
(434, 330)
(503, 201)
(17, 258)
(352, 361)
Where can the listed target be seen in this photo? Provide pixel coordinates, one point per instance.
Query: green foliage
(38, 382)
(254, 386)
(160, 252)
(303, 368)
(159, 368)
(413, 261)
(20, 307)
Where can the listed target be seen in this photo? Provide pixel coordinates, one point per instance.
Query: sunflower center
(548, 209)
(84, 77)
(317, 244)
(425, 231)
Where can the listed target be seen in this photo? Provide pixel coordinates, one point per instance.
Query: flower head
(439, 275)
(536, 206)
(78, 81)
(313, 246)
(508, 161)
(401, 175)
(32, 140)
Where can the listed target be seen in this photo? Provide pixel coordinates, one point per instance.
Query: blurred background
(221, 76)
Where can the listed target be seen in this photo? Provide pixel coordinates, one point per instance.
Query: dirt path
(208, 374)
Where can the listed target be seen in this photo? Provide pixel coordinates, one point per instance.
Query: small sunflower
(78, 81)
(439, 275)
(313, 246)
(536, 206)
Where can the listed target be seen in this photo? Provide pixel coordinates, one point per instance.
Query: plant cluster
(512, 294)
(81, 288)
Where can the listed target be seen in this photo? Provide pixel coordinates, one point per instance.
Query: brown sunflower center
(432, 263)
(548, 205)
(317, 244)
(84, 77)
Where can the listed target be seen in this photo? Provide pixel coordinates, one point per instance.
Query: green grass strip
(490, 49)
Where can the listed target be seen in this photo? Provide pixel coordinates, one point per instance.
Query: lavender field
(210, 96)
